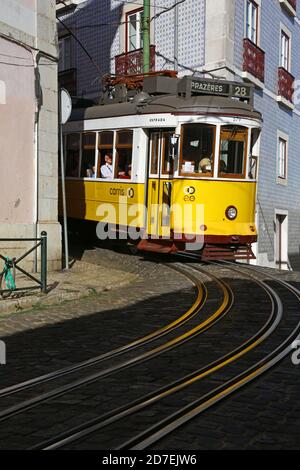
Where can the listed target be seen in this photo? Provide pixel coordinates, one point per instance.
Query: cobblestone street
(264, 415)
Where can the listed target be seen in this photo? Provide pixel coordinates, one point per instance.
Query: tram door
(160, 183)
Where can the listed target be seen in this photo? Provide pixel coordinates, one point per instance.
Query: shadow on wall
(95, 23)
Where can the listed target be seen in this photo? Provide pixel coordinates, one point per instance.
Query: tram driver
(107, 168)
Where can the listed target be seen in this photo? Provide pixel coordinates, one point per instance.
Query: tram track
(200, 328)
(200, 299)
(103, 421)
(163, 428)
(159, 430)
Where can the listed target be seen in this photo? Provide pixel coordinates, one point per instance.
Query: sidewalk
(82, 280)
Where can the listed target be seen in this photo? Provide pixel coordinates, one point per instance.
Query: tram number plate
(241, 91)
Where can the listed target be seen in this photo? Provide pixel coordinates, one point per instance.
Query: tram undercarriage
(206, 253)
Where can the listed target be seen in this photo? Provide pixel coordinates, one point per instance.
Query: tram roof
(173, 104)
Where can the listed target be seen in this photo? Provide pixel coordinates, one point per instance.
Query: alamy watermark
(296, 353)
(186, 220)
(2, 353)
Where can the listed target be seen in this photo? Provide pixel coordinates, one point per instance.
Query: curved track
(159, 430)
(193, 310)
(194, 409)
(99, 423)
(175, 342)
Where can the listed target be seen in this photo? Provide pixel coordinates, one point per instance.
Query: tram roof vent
(194, 86)
(160, 85)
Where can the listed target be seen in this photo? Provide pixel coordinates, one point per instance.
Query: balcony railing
(293, 3)
(254, 60)
(131, 63)
(290, 6)
(285, 84)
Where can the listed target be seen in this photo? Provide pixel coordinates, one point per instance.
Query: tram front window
(233, 146)
(198, 148)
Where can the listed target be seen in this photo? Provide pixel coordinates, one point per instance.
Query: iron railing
(285, 84)
(293, 3)
(131, 63)
(13, 263)
(254, 60)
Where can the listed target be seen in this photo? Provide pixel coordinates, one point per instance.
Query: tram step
(219, 252)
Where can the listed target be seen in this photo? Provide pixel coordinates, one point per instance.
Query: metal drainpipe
(146, 37)
(36, 152)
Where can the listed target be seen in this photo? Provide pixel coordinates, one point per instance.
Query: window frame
(214, 155)
(94, 133)
(116, 157)
(284, 32)
(257, 6)
(138, 12)
(282, 138)
(79, 155)
(240, 176)
(62, 47)
(151, 147)
(103, 147)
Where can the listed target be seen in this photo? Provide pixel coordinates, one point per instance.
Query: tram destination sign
(198, 86)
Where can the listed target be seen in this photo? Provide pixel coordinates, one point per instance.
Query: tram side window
(73, 153)
(105, 154)
(154, 152)
(123, 154)
(64, 154)
(255, 133)
(198, 148)
(168, 161)
(88, 169)
(233, 146)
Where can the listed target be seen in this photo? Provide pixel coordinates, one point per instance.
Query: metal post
(44, 262)
(146, 37)
(176, 37)
(63, 191)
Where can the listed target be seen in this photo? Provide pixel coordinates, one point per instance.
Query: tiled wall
(272, 195)
(95, 23)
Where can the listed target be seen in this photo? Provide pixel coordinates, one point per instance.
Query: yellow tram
(172, 167)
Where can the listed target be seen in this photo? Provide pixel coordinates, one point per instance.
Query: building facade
(244, 40)
(28, 123)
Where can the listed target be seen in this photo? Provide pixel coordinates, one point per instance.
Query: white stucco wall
(29, 127)
(17, 112)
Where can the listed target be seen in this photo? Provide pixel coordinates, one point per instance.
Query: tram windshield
(233, 148)
(198, 148)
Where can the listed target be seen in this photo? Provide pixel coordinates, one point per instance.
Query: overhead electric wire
(81, 45)
(166, 10)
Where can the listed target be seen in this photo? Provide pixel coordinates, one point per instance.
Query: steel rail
(208, 323)
(177, 419)
(190, 313)
(98, 423)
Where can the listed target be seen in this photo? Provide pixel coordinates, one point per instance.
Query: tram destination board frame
(207, 86)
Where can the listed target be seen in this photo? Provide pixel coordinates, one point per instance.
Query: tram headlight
(231, 212)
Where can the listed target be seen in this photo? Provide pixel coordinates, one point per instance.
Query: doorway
(160, 183)
(281, 240)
